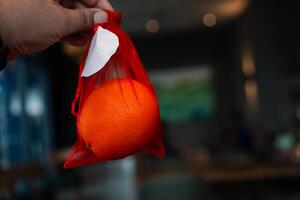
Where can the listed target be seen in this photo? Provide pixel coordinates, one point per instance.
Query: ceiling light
(209, 19)
(152, 26)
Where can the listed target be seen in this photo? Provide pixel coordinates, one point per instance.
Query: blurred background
(227, 74)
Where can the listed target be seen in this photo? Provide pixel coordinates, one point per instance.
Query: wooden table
(256, 171)
(218, 173)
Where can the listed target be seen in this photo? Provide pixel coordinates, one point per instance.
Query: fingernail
(100, 17)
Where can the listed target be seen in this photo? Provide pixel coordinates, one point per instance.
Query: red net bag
(118, 113)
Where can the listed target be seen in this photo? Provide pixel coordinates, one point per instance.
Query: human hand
(80, 39)
(33, 25)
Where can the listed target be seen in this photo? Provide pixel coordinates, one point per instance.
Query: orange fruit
(118, 118)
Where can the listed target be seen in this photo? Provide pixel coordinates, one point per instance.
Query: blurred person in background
(30, 26)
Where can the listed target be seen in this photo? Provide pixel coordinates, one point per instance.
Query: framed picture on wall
(186, 93)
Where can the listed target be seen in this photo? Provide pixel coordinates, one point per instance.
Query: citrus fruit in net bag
(118, 118)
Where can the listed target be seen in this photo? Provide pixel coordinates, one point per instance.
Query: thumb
(83, 19)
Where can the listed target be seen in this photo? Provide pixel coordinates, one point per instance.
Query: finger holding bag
(118, 113)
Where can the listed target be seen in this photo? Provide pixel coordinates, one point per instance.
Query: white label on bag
(104, 44)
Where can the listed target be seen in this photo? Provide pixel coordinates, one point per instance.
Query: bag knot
(114, 18)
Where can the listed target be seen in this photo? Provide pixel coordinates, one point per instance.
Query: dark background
(207, 158)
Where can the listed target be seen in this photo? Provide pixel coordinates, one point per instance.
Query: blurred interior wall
(271, 27)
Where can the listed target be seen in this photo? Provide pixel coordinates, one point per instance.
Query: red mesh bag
(118, 112)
